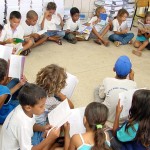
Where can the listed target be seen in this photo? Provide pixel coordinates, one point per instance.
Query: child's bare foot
(138, 53)
(59, 42)
(117, 43)
(106, 43)
(130, 42)
(98, 41)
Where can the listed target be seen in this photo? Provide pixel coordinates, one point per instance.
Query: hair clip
(99, 126)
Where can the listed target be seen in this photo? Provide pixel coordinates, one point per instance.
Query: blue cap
(123, 66)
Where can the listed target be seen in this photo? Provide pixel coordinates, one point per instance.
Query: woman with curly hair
(52, 79)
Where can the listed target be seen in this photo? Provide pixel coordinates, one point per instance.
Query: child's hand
(47, 127)
(124, 31)
(119, 108)
(54, 133)
(143, 31)
(131, 75)
(46, 14)
(14, 50)
(8, 41)
(67, 127)
(67, 31)
(23, 80)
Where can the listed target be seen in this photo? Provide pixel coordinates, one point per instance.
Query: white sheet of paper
(16, 66)
(76, 121)
(58, 116)
(5, 52)
(125, 101)
(71, 83)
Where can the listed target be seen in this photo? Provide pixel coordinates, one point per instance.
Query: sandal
(24, 53)
(98, 42)
(59, 42)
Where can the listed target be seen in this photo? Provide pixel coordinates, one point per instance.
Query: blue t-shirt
(127, 135)
(7, 107)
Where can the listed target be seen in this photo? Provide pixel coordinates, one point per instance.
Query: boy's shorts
(55, 33)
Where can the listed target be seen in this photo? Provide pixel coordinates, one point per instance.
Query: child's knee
(137, 44)
(132, 35)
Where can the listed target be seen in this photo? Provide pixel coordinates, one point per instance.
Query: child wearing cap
(108, 92)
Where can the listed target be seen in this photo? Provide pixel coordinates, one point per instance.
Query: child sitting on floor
(108, 92)
(17, 129)
(96, 136)
(13, 30)
(135, 132)
(52, 79)
(120, 29)
(100, 29)
(8, 91)
(72, 25)
(142, 39)
(49, 21)
(30, 29)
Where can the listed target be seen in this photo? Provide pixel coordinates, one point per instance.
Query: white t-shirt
(110, 90)
(72, 26)
(118, 27)
(2, 35)
(50, 25)
(17, 131)
(28, 29)
(18, 33)
(97, 26)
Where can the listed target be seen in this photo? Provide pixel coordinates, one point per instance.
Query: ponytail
(100, 139)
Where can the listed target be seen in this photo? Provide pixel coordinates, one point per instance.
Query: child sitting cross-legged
(52, 79)
(17, 129)
(30, 29)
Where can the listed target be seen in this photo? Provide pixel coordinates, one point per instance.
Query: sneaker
(117, 43)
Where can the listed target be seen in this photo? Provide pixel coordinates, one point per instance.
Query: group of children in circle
(28, 29)
(24, 110)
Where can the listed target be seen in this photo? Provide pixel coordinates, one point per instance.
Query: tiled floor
(90, 62)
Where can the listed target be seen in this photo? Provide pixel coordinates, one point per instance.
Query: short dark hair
(51, 6)
(31, 14)
(1, 27)
(3, 69)
(121, 12)
(15, 14)
(74, 10)
(30, 94)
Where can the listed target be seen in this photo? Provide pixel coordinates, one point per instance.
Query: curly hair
(3, 69)
(52, 79)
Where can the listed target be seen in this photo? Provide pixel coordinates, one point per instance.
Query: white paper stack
(37, 5)
(2, 11)
(25, 6)
(11, 5)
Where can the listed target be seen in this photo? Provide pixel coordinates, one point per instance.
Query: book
(103, 18)
(76, 121)
(16, 66)
(71, 83)
(5, 52)
(84, 31)
(126, 101)
(58, 116)
(17, 40)
(143, 26)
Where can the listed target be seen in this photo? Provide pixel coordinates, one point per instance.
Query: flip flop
(137, 53)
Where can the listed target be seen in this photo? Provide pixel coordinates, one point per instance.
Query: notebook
(71, 83)
(5, 52)
(76, 121)
(16, 67)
